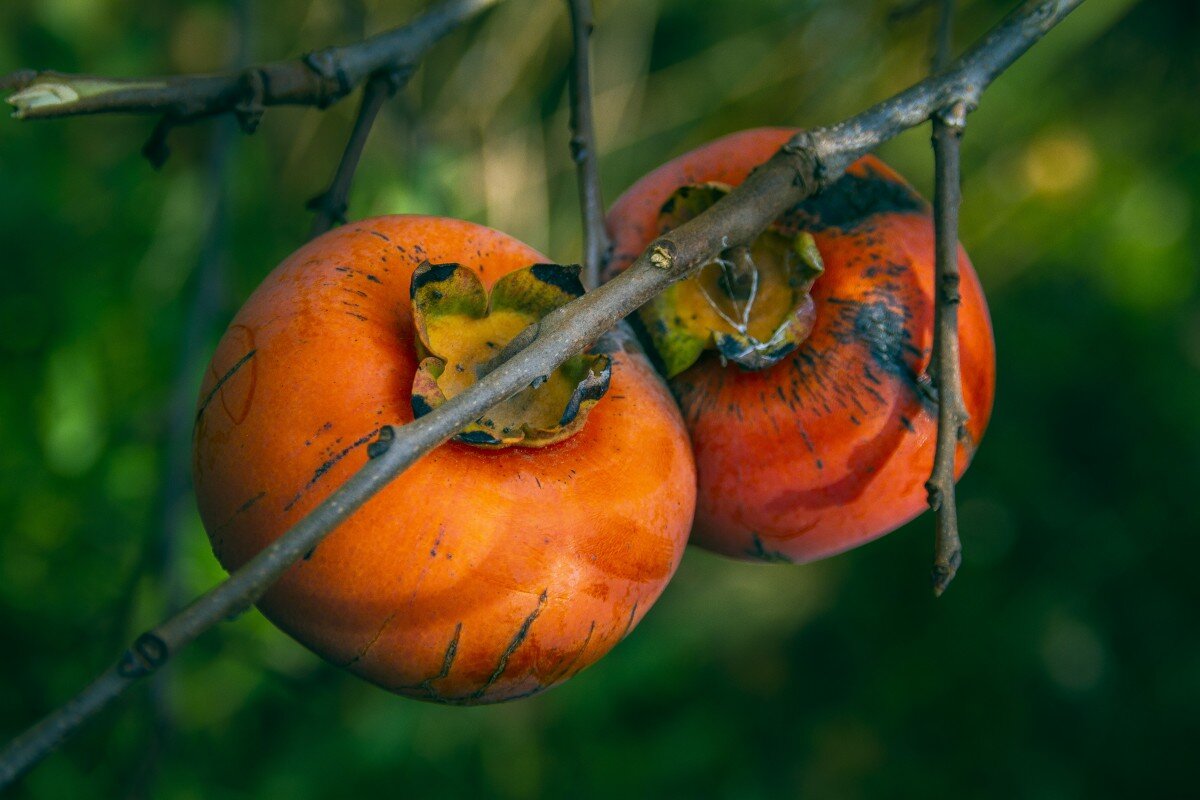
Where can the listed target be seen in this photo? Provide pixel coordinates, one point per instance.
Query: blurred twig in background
(203, 315)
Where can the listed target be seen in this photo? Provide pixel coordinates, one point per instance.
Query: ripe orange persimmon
(478, 575)
(824, 440)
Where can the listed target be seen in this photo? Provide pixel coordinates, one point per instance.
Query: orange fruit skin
(831, 447)
(475, 576)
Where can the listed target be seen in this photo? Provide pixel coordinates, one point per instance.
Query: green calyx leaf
(463, 333)
(752, 304)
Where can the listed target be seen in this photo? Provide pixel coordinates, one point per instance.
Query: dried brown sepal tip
(752, 304)
(460, 328)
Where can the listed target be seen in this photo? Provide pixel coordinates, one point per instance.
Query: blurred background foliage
(1065, 660)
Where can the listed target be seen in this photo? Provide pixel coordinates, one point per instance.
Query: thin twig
(330, 206)
(174, 497)
(317, 79)
(807, 163)
(596, 245)
(943, 37)
(208, 301)
(945, 367)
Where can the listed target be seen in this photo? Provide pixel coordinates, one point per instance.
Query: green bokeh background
(1064, 662)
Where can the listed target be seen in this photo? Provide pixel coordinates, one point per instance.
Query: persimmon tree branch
(596, 245)
(319, 79)
(330, 206)
(807, 163)
(945, 365)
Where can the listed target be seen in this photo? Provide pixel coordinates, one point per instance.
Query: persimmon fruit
(482, 573)
(800, 373)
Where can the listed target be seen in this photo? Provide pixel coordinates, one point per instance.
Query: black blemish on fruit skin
(853, 199)
(760, 552)
(881, 323)
(435, 273)
(328, 465)
(560, 276)
(882, 328)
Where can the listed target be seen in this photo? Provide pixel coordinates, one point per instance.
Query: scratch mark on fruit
(366, 648)
(218, 538)
(563, 673)
(426, 686)
(447, 661)
(629, 622)
(327, 465)
(760, 551)
(517, 639)
(241, 362)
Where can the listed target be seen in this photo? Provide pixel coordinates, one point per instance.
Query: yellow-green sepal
(751, 304)
(463, 332)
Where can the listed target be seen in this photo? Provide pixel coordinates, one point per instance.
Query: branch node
(325, 203)
(326, 65)
(147, 654)
(948, 288)
(809, 170)
(578, 149)
(249, 111)
(943, 572)
(662, 254)
(382, 443)
(156, 150)
(933, 493)
(954, 116)
(397, 76)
